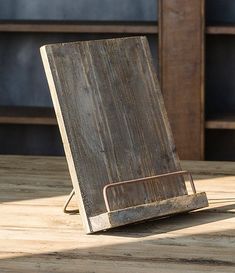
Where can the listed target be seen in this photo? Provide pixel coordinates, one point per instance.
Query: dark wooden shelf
(79, 27)
(222, 122)
(223, 29)
(27, 115)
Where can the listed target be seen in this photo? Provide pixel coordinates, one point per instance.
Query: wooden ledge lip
(157, 209)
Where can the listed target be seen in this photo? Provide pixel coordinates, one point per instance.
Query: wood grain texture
(36, 236)
(181, 41)
(113, 121)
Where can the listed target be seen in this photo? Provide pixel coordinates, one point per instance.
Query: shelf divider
(27, 115)
(221, 29)
(222, 122)
(80, 27)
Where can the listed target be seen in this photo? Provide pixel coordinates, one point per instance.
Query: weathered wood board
(114, 127)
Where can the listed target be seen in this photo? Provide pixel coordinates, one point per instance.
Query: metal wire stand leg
(65, 210)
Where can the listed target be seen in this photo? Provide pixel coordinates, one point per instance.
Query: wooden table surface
(35, 235)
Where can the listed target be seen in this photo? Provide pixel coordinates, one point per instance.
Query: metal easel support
(65, 210)
(139, 180)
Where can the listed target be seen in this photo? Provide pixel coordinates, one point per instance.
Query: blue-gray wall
(220, 11)
(22, 78)
(88, 10)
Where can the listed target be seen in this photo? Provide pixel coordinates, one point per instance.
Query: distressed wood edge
(62, 128)
(144, 212)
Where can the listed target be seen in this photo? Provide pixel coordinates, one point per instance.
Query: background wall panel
(88, 10)
(220, 11)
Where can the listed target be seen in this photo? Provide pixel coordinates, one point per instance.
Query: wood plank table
(35, 235)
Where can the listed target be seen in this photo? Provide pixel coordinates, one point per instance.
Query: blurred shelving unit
(221, 122)
(82, 27)
(45, 115)
(224, 120)
(26, 110)
(192, 44)
(197, 67)
(221, 30)
(220, 80)
(27, 115)
(181, 49)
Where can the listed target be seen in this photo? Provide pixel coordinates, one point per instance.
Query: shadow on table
(176, 222)
(197, 246)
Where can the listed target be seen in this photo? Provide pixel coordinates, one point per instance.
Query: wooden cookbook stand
(117, 139)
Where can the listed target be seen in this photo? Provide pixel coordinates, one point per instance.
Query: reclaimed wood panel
(82, 10)
(181, 41)
(113, 123)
